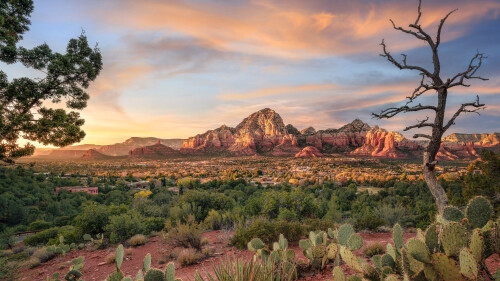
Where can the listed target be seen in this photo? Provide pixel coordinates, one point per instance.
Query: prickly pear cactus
(397, 236)
(453, 238)
(479, 211)
(468, 264)
(345, 231)
(418, 250)
(432, 237)
(119, 256)
(446, 267)
(154, 275)
(476, 244)
(338, 274)
(355, 242)
(452, 213)
(350, 259)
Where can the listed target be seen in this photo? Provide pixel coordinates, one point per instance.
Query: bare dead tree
(432, 82)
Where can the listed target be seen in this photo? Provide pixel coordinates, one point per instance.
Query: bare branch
(419, 12)
(465, 107)
(438, 36)
(393, 111)
(415, 136)
(420, 90)
(474, 64)
(419, 36)
(402, 65)
(420, 124)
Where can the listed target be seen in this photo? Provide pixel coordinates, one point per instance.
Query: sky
(174, 69)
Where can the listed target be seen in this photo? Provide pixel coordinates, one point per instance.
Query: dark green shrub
(268, 232)
(153, 224)
(39, 225)
(186, 234)
(70, 233)
(41, 237)
(368, 221)
(124, 226)
(318, 224)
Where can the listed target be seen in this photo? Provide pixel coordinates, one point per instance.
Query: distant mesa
(309, 152)
(157, 150)
(264, 133)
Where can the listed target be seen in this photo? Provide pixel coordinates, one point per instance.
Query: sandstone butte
(309, 152)
(153, 151)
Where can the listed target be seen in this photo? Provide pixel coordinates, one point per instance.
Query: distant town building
(73, 189)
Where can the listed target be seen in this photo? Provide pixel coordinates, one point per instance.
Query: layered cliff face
(477, 139)
(381, 143)
(345, 139)
(157, 150)
(309, 152)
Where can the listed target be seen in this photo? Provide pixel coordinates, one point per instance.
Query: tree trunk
(434, 186)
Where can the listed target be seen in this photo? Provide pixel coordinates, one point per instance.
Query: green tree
(24, 112)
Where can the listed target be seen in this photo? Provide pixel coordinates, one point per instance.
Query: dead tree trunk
(432, 81)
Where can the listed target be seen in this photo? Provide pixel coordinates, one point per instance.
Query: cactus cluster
(280, 259)
(73, 274)
(61, 248)
(452, 248)
(147, 273)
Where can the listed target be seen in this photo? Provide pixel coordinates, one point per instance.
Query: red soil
(96, 269)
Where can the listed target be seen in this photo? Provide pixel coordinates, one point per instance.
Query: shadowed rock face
(381, 143)
(152, 151)
(93, 154)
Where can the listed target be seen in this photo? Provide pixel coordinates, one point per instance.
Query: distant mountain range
(265, 133)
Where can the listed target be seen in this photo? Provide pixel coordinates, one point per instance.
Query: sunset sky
(173, 69)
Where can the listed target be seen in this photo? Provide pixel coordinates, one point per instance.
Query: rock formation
(123, 148)
(309, 152)
(157, 150)
(93, 154)
(381, 143)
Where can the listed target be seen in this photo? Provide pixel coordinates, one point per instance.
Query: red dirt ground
(96, 269)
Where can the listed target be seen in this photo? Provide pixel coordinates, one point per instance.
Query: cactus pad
(350, 259)
(257, 244)
(369, 272)
(446, 267)
(391, 277)
(418, 250)
(319, 251)
(146, 264)
(354, 278)
(452, 213)
(345, 231)
(388, 260)
(154, 275)
(391, 251)
(432, 237)
(283, 243)
(468, 264)
(397, 236)
(305, 244)
(338, 274)
(332, 250)
(476, 244)
(355, 242)
(479, 211)
(119, 256)
(377, 261)
(170, 272)
(453, 238)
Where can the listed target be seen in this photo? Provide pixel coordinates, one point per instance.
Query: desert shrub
(207, 252)
(268, 232)
(318, 224)
(153, 224)
(93, 218)
(110, 258)
(128, 251)
(137, 240)
(391, 215)
(43, 254)
(187, 235)
(287, 215)
(70, 233)
(368, 221)
(374, 249)
(124, 226)
(41, 237)
(213, 220)
(204, 241)
(33, 262)
(39, 225)
(187, 257)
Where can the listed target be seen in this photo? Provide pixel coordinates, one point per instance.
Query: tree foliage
(24, 102)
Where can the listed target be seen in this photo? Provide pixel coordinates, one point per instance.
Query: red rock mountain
(157, 150)
(309, 152)
(381, 143)
(93, 154)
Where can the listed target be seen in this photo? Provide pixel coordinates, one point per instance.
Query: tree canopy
(27, 108)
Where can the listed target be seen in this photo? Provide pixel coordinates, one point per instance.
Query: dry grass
(43, 255)
(137, 240)
(110, 258)
(204, 241)
(187, 257)
(207, 252)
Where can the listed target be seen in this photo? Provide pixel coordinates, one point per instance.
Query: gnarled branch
(393, 111)
(420, 124)
(402, 65)
(465, 108)
(474, 64)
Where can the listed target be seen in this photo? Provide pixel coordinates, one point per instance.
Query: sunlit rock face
(93, 154)
(381, 143)
(152, 151)
(309, 152)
